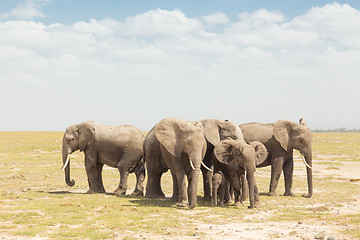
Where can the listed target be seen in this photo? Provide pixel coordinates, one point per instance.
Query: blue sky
(137, 62)
(69, 11)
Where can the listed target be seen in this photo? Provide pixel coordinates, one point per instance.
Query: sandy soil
(266, 229)
(302, 230)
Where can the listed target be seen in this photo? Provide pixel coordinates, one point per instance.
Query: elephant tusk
(305, 162)
(191, 164)
(209, 169)
(66, 163)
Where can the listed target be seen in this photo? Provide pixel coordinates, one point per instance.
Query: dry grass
(35, 201)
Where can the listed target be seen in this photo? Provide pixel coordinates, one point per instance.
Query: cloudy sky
(137, 62)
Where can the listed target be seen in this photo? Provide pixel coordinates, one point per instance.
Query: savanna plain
(35, 202)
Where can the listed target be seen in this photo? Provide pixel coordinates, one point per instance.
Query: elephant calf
(235, 158)
(218, 189)
(119, 147)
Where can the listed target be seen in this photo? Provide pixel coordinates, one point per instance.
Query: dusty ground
(302, 230)
(264, 228)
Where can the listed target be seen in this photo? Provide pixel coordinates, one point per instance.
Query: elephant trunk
(193, 188)
(66, 163)
(308, 159)
(250, 177)
(195, 162)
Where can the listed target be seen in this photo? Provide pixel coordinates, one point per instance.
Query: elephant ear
(224, 152)
(167, 133)
(260, 151)
(282, 131)
(86, 134)
(211, 131)
(230, 129)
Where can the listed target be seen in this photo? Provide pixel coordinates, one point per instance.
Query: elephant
(235, 158)
(280, 139)
(214, 131)
(119, 147)
(218, 188)
(179, 146)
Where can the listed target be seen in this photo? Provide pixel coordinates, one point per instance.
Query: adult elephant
(280, 139)
(214, 131)
(120, 147)
(235, 158)
(179, 146)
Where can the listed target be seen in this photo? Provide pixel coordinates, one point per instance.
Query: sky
(136, 62)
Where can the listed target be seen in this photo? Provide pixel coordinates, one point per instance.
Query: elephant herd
(227, 154)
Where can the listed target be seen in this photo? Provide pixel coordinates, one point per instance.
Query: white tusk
(191, 164)
(209, 169)
(66, 163)
(305, 162)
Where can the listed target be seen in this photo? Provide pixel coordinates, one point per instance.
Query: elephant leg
(175, 195)
(222, 193)
(121, 190)
(153, 185)
(140, 177)
(93, 171)
(126, 164)
(99, 168)
(244, 189)
(207, 175)
(228, 191)
(276, 167)
(155, 169)
(181, 181)
(288, 171)
(236, 188)
(214, 197)
(256, 195)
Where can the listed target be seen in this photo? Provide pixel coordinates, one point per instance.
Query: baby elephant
(218, 188)
(226, 186)
(235, 158)
(119, 147)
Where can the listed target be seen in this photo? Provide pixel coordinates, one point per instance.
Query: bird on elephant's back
(280, 139)
(119, 147)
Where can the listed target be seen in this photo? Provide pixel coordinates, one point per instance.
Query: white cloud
(27, 10)
(160, 22)
(216, 18)
(161, 63)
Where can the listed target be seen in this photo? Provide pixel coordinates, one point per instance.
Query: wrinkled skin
(280, 139)
(234, 158)
(173, 144)
(118, 147)
(214, 131)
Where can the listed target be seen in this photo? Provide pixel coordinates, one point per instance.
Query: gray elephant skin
(119, 147)
(235, 158)
(280, 139)
(214, 131)
(179, 146)
(219, 184)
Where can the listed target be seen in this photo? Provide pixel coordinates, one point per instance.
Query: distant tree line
(343, 129)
